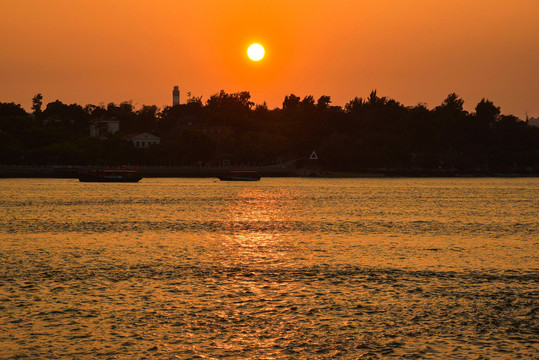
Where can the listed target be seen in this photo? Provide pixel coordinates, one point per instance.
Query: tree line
(367, 133)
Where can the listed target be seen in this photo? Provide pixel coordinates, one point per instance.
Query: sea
(282, 268)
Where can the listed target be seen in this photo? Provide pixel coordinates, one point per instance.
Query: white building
(533, 122)
(103, 126)
(143, 140)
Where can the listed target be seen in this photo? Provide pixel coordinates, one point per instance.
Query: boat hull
(225, 178)
(110, 176)
(240, 176)
(85, 179)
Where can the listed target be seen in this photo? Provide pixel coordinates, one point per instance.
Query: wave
(526, 229)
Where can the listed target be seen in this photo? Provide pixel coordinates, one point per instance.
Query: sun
(255, 52)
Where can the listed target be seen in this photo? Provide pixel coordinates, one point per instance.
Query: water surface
(276, 269)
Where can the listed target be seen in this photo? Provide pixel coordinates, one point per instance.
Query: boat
(110, 176)
(237, 175)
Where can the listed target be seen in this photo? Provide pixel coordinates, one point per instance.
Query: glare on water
(281, 268)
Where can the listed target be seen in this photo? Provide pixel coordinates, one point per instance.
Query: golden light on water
(283, 267)
(257, 215)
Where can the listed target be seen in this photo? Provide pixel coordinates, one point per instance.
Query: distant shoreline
(66, 172)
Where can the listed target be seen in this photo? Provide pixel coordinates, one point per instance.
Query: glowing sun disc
(255, 52)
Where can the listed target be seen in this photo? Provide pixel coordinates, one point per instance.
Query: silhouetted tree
(354, 105)
(261, 107)
(236, 102)
(291, 101)
(374, 101)
(486, 112)
(37, 102)
(323, 102)
(192, 145)
(308, 103)
(125, 113)
(193, 99)
(146, 118)
(95, 111)
(452, 103)
(11, 110)
(368, 134)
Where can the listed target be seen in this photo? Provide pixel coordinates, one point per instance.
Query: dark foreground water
(278, 269)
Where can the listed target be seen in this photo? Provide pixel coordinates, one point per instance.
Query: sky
(414, 51)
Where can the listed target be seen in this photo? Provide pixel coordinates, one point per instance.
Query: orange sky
(94, 51)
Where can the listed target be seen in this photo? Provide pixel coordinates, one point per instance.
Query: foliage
(366, 134)
(37, 102)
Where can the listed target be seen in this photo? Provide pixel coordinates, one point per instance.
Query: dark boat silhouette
(110, 176)
(240, 176)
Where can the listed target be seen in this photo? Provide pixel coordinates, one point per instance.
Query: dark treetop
(367, 134)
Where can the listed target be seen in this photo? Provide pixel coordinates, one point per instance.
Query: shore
(281, 170)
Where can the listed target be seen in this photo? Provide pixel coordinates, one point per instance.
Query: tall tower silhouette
(175, 96)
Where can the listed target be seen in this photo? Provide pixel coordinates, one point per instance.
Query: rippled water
(277, 269)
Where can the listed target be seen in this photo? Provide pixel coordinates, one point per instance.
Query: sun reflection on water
(283, 268)
(255, 241)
